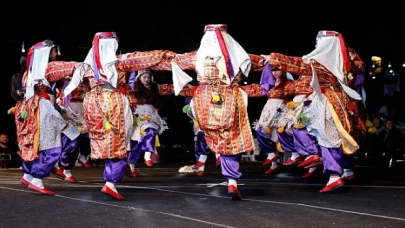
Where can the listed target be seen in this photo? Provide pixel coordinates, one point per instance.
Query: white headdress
(216, 43)
(101, 59)
(331, 52)
(37, 62)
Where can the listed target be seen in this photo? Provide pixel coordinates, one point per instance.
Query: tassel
(280, 129)
(279, 148)
(268, 130)
(303, 118)
(11, 111)
(157, 143)
(145, 117)
(299, 125)
(100, 124)
(24, 115)
(63, 111)
(186, 109)
(107, 126)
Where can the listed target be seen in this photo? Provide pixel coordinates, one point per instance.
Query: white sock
(68, 173)
(111, 186)
(273, 165)
(294, 155)
(27, 177)
(217, 155)
(37, 182)
(347, 172)
(203, 158)
(232, 182)
(56, 165)
(271, 155)
(311, 170)
(132, 166)
(333, 179)
(83, 158)
(201, 168)
(147, 156)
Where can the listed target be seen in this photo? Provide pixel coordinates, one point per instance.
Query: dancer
(323, 75)
(218, 104)
(274, 125)
(42, 133)
(73, 105)
(201, 149)
(107, 110)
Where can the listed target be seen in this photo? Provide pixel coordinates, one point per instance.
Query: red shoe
(199, 164)
(218, 161)
(133, 173)
(24, 181)
(272, 171)
(149, 163)
(333, 186)
(200, 173)
(314, 164)
(112, 193)
(311, 159)
(309, 174)
(234, 193)
(295, 161)
(349, 178)
(269, 161)
(85, 164)
(42, 190)
(59, 173)
(71, 179)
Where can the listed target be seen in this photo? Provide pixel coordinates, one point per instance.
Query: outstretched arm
(291, 64)
(186, 61)
(155, 60)
(168, 89)
(58, 70)
(253, 90)
(258, 62)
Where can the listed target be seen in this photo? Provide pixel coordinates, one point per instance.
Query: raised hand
(265, 59)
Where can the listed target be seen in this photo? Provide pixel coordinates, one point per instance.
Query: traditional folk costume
(43, 134)
(201, 149)
(107, 111)
(75, 111)
(328, 103)
(273, 129)
(148, 124)
(73, 107)
(218, 104)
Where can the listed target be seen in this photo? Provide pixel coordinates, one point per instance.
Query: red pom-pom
(352, 106)
(44, 95)
(193, 90)
(122, 89)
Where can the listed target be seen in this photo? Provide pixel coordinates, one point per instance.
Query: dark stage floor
(161, 197)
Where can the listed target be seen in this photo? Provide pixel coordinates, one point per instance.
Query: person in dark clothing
(16, 81)
(9, 152)
(391, 138)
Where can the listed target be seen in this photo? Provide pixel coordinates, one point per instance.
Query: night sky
(260, 27)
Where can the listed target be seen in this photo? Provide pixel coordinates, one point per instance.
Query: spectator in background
(16, 81)
(391, 138)
(12, 150)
